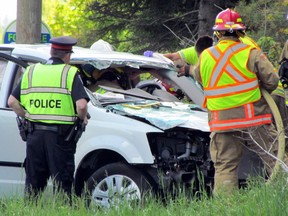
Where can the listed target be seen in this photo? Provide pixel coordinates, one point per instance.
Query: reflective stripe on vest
(250, 120)
(225, 85)
(45, 103)
(279, 90)
(101, 91)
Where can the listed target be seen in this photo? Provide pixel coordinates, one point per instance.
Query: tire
(115, 184)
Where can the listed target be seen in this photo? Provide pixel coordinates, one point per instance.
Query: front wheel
(117, 183)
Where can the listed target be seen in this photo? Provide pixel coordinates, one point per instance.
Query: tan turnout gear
(227, 145)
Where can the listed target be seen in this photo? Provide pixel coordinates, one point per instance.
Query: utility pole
(28, 21)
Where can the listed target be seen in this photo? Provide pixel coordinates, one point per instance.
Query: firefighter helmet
(228, 20)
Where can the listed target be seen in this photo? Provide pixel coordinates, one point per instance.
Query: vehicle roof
(42, 52)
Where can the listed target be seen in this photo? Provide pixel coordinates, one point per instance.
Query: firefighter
(189, 55)
(184, 56)
(278, 94)
(281, 100)
(283, 70)
(201, 44)
(51, 97)
(284, 53)
(231, 74)
(283, 74)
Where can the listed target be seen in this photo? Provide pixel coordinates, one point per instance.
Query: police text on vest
(45, 103)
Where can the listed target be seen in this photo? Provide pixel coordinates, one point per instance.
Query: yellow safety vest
(227, 82)
(101, 91)
(189, 55)
(249, 41)
(280, 90)
(46, 93)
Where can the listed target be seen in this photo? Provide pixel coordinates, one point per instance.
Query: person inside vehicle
(238, 115)
(50, 114)
(110, 77)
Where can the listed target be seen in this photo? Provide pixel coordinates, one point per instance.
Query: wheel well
(91, 162)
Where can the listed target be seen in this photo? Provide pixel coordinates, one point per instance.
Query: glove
(183, 70)
(180, 70)
(148, 53)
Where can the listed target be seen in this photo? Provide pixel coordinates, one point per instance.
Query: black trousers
(48, 155)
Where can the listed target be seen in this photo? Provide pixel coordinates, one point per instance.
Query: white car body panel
(123, 135)
(118, 136)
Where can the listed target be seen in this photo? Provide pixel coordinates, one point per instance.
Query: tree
(161, 25)
(69, 17)
(267, 24)
(135, 25)
(28, 26)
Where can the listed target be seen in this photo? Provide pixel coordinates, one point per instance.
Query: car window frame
(5, 55)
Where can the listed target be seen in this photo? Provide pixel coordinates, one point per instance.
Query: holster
(23, 127)
(76, 131)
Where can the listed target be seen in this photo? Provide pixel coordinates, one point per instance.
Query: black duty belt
(52, 128)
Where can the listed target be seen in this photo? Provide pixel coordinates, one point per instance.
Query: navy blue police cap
(64, 43)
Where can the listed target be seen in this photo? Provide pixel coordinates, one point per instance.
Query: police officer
(51, 97)
(231, 73)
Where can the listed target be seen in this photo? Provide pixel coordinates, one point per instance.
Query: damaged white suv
(140, 137)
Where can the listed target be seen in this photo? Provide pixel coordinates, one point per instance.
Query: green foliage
(68, 17)
(129, 25)
(266, 23)
(136, 25)
(159, 25)
(271, 48)
(257, 199)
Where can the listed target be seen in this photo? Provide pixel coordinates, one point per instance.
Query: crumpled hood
(166, 115)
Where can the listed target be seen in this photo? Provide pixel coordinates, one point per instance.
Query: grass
(257, 199)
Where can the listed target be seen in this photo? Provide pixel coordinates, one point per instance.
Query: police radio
(283, 72)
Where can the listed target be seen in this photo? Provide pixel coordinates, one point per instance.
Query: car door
(12, 152)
